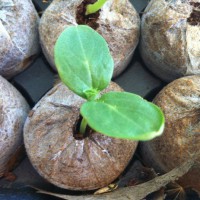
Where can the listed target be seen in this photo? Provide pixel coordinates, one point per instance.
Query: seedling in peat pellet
(85, 66)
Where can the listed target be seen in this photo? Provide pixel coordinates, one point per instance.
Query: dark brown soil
(90, 20)
(194, 18)
(76, 133)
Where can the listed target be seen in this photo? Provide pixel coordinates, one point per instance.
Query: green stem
(92, 8)
(83, 126)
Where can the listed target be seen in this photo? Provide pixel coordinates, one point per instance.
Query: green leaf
(92, 8)
(124, 115)
(83, 60)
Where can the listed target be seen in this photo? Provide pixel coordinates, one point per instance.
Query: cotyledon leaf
(83, 60)
(124, 115)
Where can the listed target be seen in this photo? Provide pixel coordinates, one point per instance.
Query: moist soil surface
(90, 20)
(194, 18)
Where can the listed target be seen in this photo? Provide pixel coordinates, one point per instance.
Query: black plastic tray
(35, 81)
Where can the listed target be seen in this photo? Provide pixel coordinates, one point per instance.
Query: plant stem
(83, 126)
(92, 8)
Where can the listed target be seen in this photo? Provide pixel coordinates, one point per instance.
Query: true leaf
(124, 115)
(83, 60)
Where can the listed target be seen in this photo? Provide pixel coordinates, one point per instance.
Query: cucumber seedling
(85, 66)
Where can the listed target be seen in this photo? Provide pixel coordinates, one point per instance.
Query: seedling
(85, 66)
(92, 8)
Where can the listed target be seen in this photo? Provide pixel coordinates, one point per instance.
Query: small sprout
(92, 8)
(85, 65)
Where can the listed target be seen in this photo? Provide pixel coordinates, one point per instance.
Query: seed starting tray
(36, 80)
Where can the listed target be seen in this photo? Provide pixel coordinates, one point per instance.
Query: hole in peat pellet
(194, 18)
(77, 135)
(90, 20)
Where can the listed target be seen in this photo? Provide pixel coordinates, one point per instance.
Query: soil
(77, 135)
(194, 18)
(179, 101)
(77, 164)
(119, 24)
(90, 20)
(18, 37)
(14, 109)
(166, 56)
